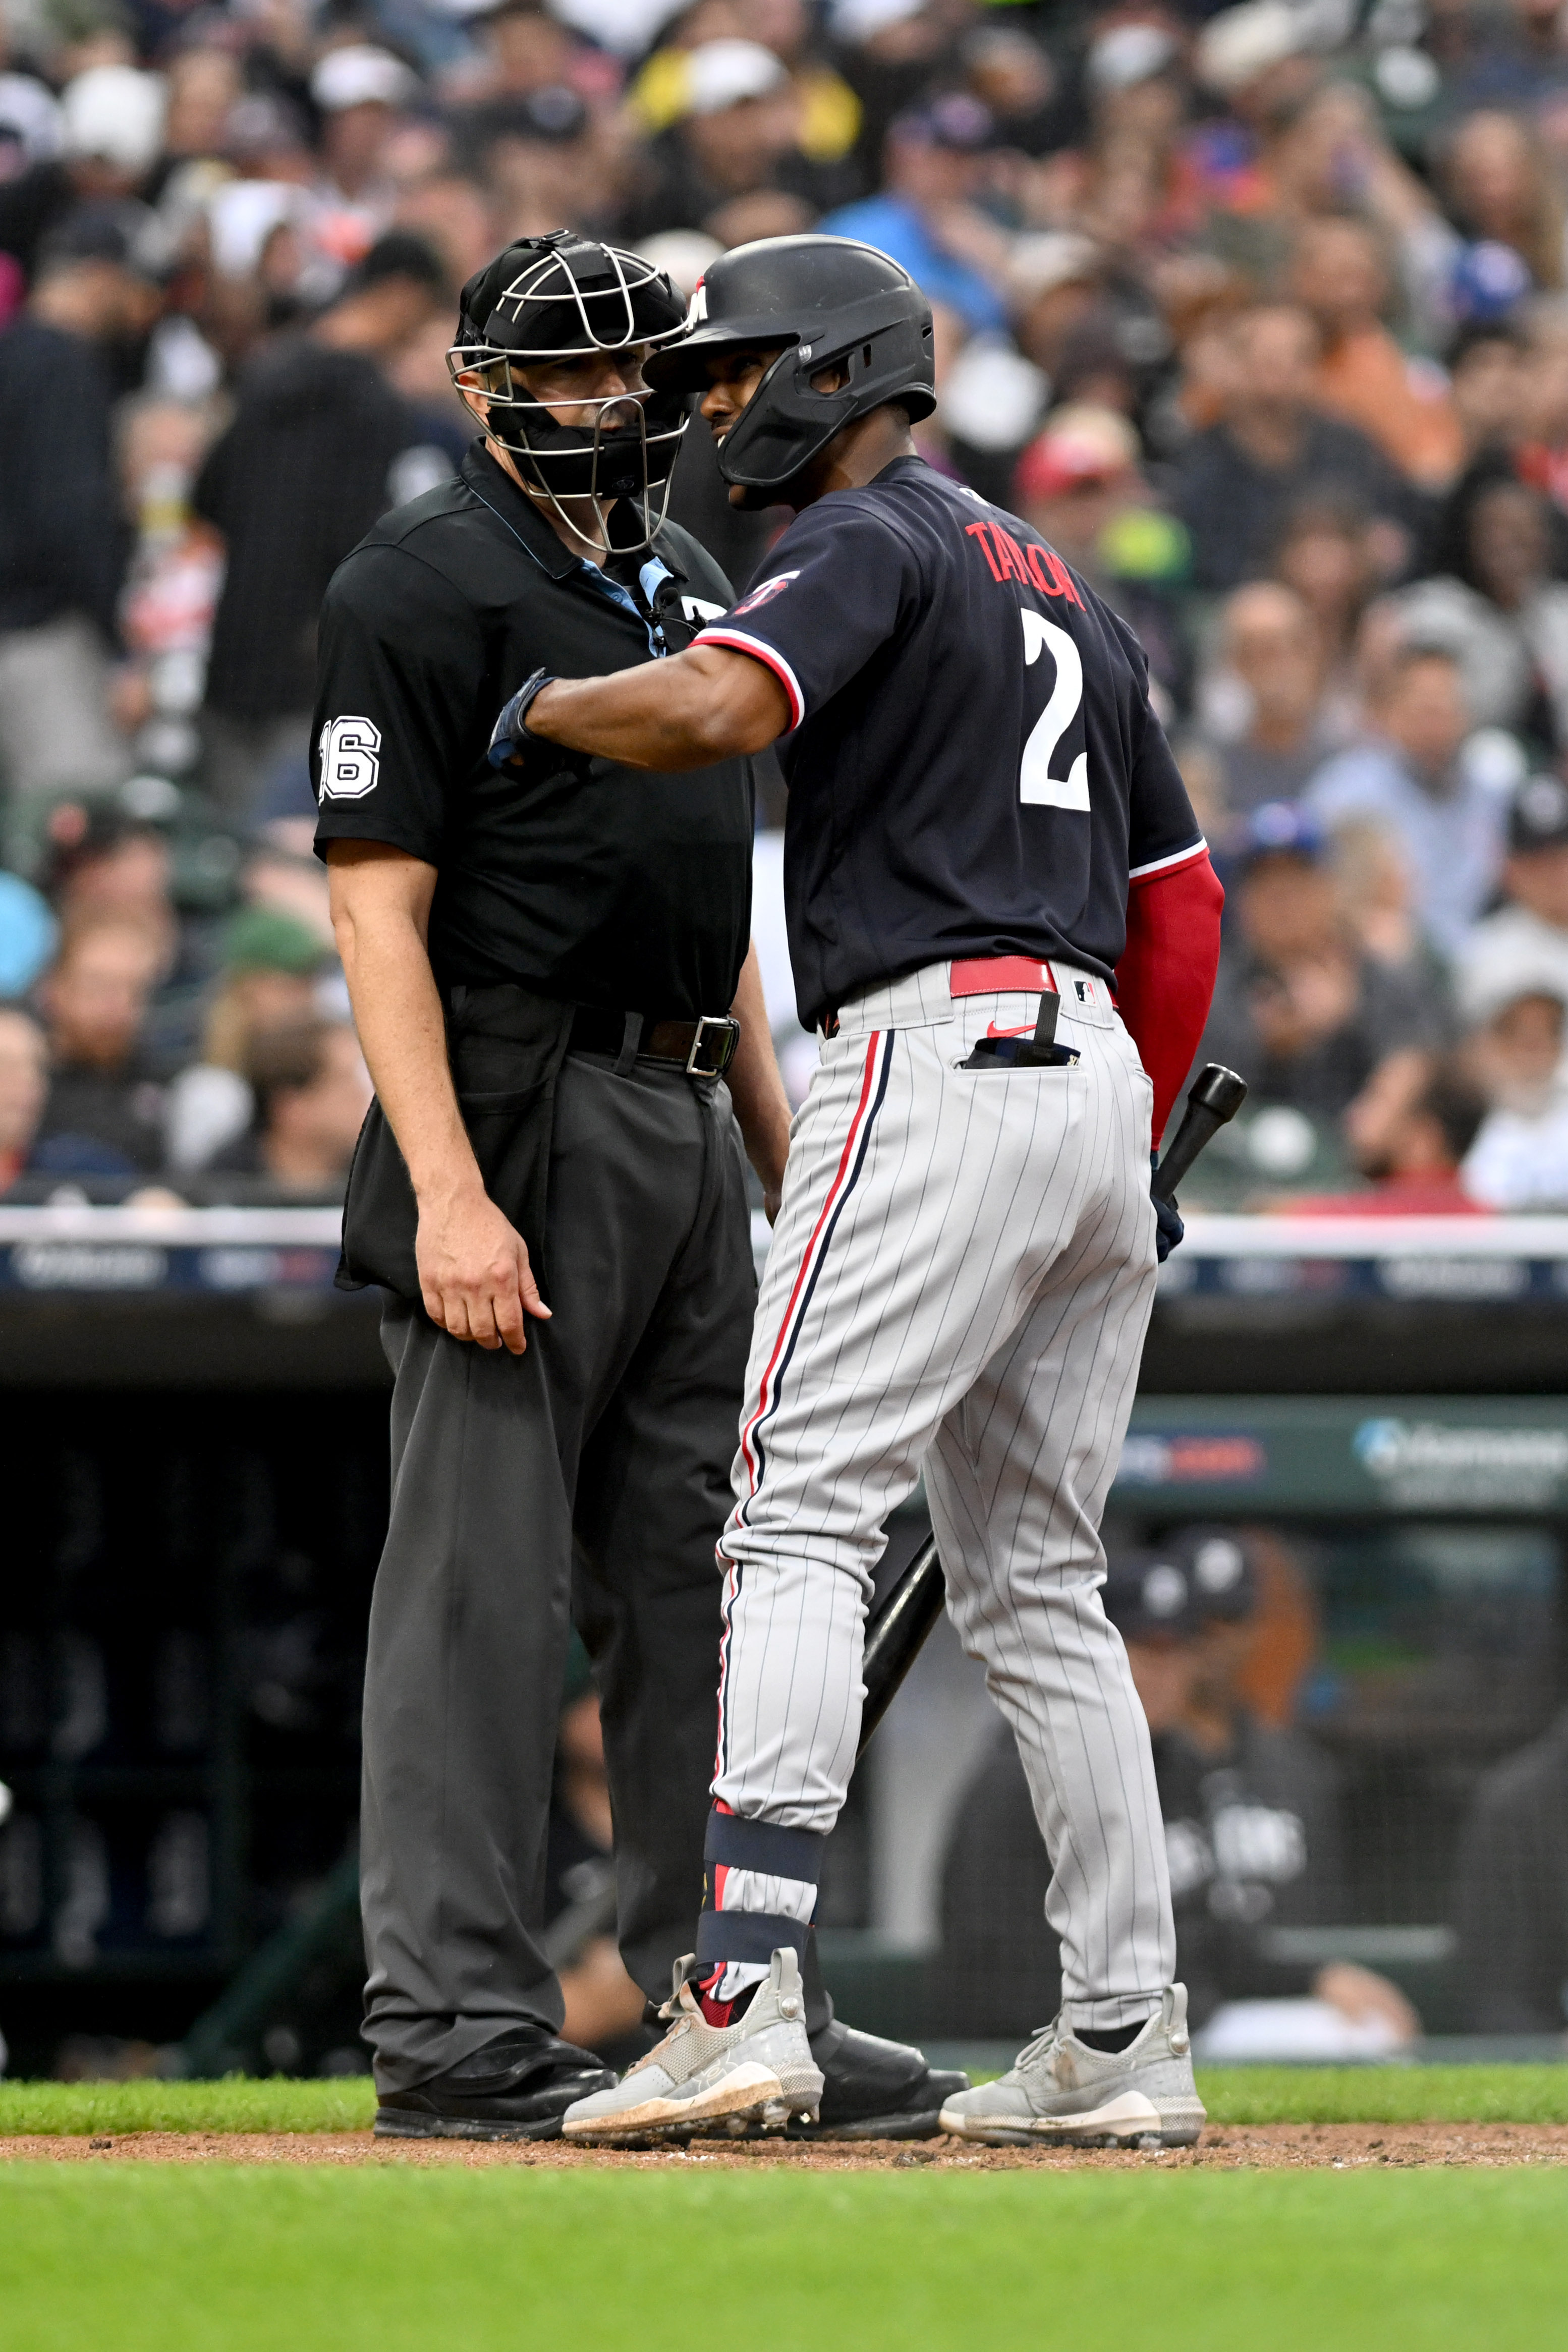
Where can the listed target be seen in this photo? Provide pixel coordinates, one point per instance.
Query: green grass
(235, 2105)
(246, 2259)
(1386, 2095)
(1233, 2094)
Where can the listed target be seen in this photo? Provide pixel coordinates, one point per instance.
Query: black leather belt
(703, 1049)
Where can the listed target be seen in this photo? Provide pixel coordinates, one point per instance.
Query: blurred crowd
(1262, 1831)
(1260, 315)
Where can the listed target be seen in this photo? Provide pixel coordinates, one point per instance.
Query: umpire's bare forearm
(698, 707)
(381, 910)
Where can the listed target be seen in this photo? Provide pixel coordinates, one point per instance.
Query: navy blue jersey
(974, 767)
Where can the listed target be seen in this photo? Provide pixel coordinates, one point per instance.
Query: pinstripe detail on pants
(851, 1161)
(959, 1282)
(873, 1088)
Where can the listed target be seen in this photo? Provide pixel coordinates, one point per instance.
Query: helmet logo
(766, 591)
(698, 308)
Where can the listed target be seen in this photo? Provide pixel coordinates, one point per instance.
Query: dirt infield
(1228, 2148)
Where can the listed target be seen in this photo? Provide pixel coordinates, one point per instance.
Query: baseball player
(1004, 925)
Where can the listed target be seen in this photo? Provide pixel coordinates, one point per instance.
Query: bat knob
(1218, 1091)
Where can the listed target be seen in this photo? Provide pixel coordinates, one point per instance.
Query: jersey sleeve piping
(771, 659)
(1169, 865)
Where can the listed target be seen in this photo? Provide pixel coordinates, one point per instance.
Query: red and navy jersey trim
(1172, 864)
(739, 642)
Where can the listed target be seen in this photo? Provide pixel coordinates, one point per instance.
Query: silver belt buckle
(730, 1036)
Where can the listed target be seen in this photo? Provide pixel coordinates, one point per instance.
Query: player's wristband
(510, 736)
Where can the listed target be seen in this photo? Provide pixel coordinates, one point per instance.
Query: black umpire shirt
(973, 770)
(575, 878)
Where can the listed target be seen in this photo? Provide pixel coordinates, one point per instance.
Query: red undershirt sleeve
(1166, 975)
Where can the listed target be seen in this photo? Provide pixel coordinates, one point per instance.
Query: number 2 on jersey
(1037, 785)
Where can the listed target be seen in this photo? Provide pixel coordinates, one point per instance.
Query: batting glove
(1171, 1228)
(510, 736)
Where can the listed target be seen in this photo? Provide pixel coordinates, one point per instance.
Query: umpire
(549, 974)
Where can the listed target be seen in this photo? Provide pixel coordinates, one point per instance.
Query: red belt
(995, 975)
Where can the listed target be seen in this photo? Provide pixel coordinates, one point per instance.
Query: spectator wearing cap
(1080, 484)
(1251, 1815)
(272, 964)
(320, 446)
(925, 216)
(1413, 773)
(1525, 943)
(829, 114)
(62, 546)
(1300, 1009)
(1519, 1159)
(734, 143)
(1342, 281)
(1263, 703)
(358, 91)
(23, 1089)
(311, 1091)
(1236, 482)
(109, 136)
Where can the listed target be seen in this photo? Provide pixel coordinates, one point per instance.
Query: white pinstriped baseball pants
(960, 1281)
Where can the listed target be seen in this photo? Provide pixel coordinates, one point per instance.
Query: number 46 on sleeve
(1037, 785)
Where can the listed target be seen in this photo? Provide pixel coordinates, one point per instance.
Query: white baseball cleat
(714, 2078)
(1060, 2090)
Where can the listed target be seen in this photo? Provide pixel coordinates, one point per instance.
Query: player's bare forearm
(687, 711)
(473, 1266)
(756, 1089)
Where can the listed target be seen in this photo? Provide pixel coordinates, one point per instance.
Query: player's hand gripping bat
(898, 1629)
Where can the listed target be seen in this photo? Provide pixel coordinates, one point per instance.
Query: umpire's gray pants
(617, 1425)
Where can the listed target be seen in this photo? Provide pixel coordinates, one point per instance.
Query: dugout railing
(194, 1464)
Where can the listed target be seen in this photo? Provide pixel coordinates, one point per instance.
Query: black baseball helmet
(557, 297)
(827, 300)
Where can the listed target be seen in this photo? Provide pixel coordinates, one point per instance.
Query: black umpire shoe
(518, 2087)
(873, 2089)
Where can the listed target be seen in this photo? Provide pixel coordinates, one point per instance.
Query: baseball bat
(1215, 1096)
(896, 1629)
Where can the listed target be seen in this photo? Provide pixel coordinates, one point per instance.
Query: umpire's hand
(474, 1273)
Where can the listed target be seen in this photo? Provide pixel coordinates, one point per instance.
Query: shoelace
(1045, 2041)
